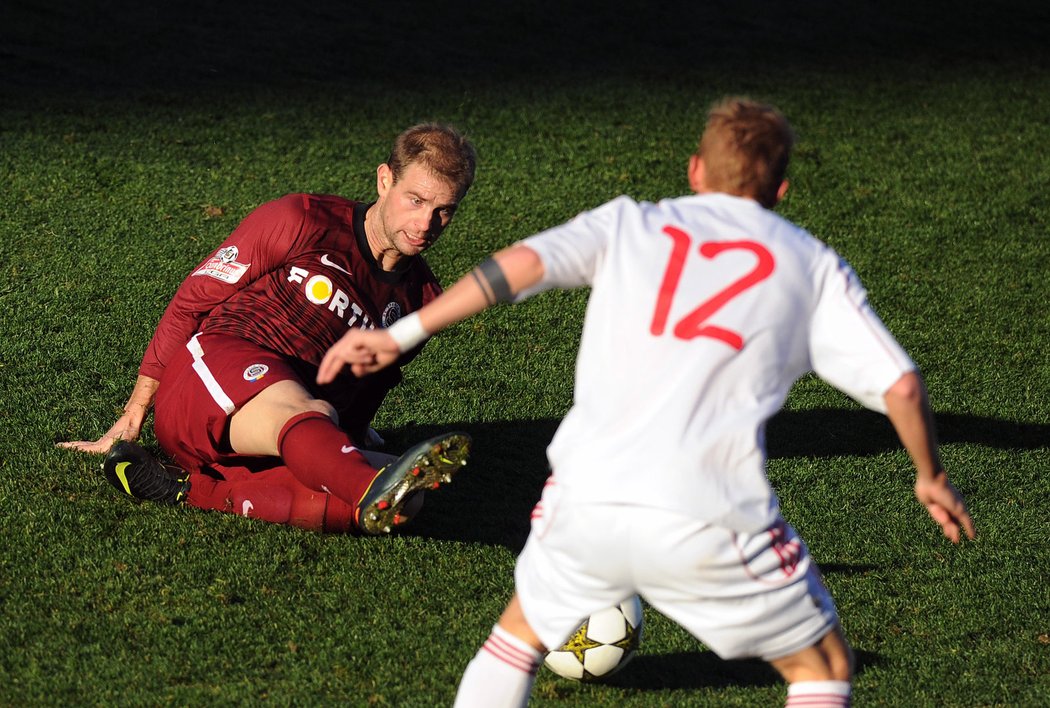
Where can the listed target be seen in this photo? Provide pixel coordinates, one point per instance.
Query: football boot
(427, 465)
(132, 470)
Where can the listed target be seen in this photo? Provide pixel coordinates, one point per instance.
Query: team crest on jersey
(224, 266)
(391, 314)
(255, 372)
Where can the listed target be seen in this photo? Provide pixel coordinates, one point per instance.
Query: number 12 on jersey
(695, 324)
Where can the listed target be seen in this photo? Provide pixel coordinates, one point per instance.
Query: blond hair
(441, 149)
(746, 147)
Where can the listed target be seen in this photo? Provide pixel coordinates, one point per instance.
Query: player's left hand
(946, 506)
(366, 351)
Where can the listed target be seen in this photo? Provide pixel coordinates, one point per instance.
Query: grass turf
(133, 138)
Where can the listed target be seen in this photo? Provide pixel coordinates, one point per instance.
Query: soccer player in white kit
(703, 312)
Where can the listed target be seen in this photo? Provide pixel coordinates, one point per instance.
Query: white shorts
(742, 595)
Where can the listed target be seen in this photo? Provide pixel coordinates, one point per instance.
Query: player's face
(414, 210)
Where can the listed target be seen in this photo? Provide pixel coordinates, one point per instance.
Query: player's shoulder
(625, 203)
(812, 256)
(303, 204)
(613, 206)
(612, 212)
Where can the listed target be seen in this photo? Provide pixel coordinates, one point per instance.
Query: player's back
(696, 327)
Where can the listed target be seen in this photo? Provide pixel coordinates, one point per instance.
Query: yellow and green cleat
(132, 470)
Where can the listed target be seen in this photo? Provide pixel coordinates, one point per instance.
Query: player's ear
(384, 178)
(696, 174)
(782, 190)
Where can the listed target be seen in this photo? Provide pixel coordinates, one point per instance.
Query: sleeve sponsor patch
(224, 266)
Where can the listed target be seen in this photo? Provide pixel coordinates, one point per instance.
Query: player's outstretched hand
(946, 506)
(365, 350)
(125, 428)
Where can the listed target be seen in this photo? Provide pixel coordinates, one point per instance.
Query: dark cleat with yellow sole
(132, 470)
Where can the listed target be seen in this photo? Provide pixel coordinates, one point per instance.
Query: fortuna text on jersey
(320, 291)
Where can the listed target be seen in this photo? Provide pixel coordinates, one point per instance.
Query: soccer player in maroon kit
(231, 368)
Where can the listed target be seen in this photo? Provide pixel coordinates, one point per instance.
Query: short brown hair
(746, 147)
(441, 149)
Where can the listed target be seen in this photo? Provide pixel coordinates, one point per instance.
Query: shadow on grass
(692, 670)
(830, 432)
(491, 500)
(703, 669)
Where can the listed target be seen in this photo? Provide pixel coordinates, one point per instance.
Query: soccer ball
(602, 645)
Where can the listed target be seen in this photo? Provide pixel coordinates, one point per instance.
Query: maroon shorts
(205, 382)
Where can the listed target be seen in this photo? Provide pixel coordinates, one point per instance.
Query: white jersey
(703, 312)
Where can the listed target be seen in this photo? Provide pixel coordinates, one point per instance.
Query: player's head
(419, 187)
(439, 148)
(744, 151)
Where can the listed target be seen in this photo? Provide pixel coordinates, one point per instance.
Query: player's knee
(837, 656)
(256, 427)
(317, 405)
(841, 663)
(513, 620)
(830, 659)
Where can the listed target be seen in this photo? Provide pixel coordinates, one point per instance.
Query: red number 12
(692, 325)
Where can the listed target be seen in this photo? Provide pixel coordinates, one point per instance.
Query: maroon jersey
(293, 277)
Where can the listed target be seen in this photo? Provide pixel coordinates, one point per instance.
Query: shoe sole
(425, 466)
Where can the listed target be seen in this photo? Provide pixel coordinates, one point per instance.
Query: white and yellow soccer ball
(602, 645)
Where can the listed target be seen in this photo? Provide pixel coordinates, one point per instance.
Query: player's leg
(568, 569)
(819, 675)
(322, 457)
(746, 595)
(192, 408)
(227, 389)
(269, 494)
(276, 496)
(503, 671)
(256, 426)
(284, 420)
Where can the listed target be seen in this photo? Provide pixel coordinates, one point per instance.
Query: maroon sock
(323, 457)
(209, 493)
(277, 497)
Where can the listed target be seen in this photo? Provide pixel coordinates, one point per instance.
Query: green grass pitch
(134, 136)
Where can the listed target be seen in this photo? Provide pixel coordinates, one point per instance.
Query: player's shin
(322, 457)
(501, 674)
(818, 694)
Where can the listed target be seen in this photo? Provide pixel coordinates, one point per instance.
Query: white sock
(500, 675)
(818, 694)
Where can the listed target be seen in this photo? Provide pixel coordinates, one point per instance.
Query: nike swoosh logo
(121, 466)
(347, 449)
(325, 260)
(246, 506)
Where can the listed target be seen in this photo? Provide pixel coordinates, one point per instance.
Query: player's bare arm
(129, 425)
(498, 279)
(909, 411)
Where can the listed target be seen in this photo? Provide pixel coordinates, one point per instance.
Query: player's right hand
(365, 350)
(946, 506)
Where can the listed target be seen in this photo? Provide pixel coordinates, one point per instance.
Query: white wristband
(408, 332)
